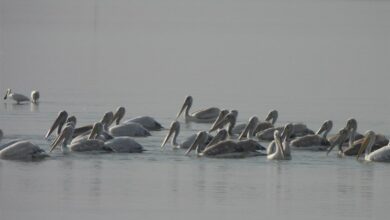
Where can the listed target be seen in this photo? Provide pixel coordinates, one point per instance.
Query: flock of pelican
(224, 139)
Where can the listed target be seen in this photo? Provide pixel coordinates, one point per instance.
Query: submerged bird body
(22, 150)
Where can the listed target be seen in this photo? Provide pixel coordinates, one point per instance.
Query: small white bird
(35, 96)
(15, 96)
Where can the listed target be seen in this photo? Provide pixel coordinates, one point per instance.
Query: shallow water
(310, 60)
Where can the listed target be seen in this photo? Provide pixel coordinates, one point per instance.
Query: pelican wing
(307, 141)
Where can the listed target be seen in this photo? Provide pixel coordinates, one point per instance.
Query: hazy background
(312, 60)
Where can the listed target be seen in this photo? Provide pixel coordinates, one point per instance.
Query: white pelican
(314, 141)
(285, 137)
(201, 116)
(226, 148)
(130, 129)
(34, 96)
(380, 155)
(82, 146)
(175, 130)
(280, 153)
(15, 96)
(299, 130)
(146, 121)
(22, 150)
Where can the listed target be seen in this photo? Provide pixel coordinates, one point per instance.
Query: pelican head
(221, 116)
(175, 129)
(119, 113)
(352, 127)
(278, 142)
(72, 119)
(288, 130)
(107, 120)
(7, 93)
(326, 127)
(97, 130)
(65, 137)
(368, 142)
(201, 138)
(186, 105)
(59, 122)
(249, 128)
(342, 136)
(272, 116)
(220, 136)
(230, 118)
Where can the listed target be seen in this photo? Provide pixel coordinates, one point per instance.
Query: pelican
(34, 96)
(175, 130)
(380, 141)
(341, 137)
(22, 150)
(269, 121)
(1, 134)
(82, 146)
(15, 96)
(201, 116)
(351, 126)
(380, 155)
(279, 153)
(146, 121)
(285, 137)
(220, 117)
(248, 131)
(314, 141)
(299, 130)
(230, 120)
(124, 145)
(226, 148)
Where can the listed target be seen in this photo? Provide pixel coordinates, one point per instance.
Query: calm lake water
(311, 60)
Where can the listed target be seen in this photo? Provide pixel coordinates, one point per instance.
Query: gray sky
(327, 49)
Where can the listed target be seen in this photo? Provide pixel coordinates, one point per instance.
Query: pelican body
(285, 137)
(146, 121)
(380, 155)
(35, 96)
(15, 96)
(22, 150)
(226, 148)
(208, 115)
(314, 141)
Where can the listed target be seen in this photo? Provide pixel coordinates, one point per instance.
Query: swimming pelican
(15, 96)
(146, 121)
(342, 135)
(314, 141)
(248, 131)
(34, 96)
(285, 137)
(175, 130)
(380, 155)
(269, 121)
(279, 153)
(82, 146)
(230, 120)
(351, 126)
(299, 130)
(226, 148)
(201, 116)
(22, 150)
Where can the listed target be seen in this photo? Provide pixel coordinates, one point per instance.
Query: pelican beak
(220, 124)
(322, 129)
(220, 136)
(57, 141)
(6, 95)
(182, 109)
(339, 141)
(166, 139)
(199, 139)
(59, 122)
(96, 130)
(119, 114)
